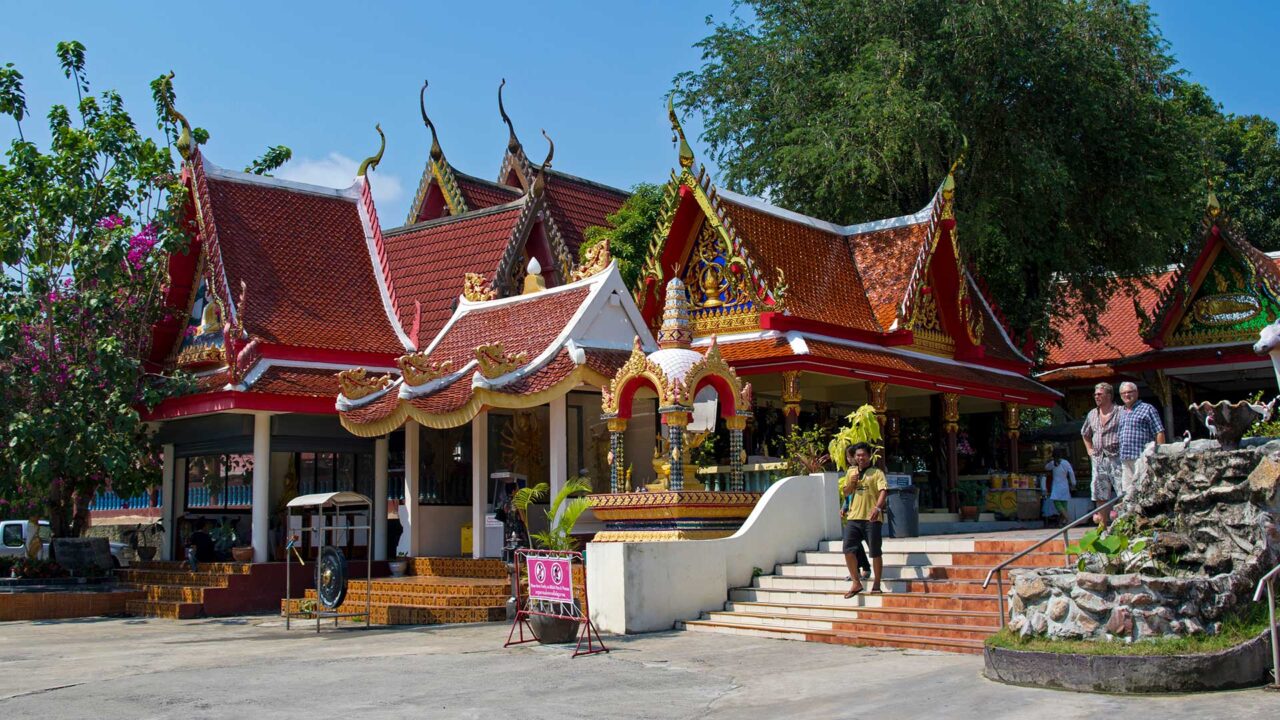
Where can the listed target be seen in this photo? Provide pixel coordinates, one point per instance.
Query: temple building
(821, 318)
(415, 364)
(286, 285)
(1184, 336)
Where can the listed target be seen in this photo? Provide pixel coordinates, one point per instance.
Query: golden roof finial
(513, 143)
(949, 185)
(186, 142)
(540, 181)
(686, 152)
(1214, 208)
(436, 151)
(372, 162)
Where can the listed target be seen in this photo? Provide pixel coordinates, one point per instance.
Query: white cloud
(338, 171)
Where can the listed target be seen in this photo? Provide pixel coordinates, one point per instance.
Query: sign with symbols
(550, 578)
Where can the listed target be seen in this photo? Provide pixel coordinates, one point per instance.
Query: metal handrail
(1064, 531)
(1269, 581)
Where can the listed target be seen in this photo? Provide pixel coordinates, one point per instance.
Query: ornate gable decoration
(495, 361)
(1229, 306)
(437, 170)
(728, 290)
(598, 258)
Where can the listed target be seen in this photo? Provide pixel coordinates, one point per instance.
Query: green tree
(86, 226)
(629, 231)
(1083, 157)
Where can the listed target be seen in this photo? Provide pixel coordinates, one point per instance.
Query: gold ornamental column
(876, 398)
(1012, 430)
(617, 453)
(790, 398)
(737, 455)
(676, 422)
(951, 428)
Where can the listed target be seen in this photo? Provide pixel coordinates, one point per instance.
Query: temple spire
(676, 330)
(540, 181)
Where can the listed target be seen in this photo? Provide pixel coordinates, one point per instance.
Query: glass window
(13, 535)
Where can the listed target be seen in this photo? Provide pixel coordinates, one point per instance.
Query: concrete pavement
(252, 667)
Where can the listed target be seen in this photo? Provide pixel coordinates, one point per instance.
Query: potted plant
(224, 538)
(399, 565)
(971, 493)
(805, 451)
(142, 538)
(558, 536)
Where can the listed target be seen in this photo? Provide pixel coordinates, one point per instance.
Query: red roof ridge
(915, 218)
(381, 262)
(350, 193)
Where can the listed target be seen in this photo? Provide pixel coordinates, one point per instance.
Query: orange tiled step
(162, 609)
(167, 577)
(392, 614)
(878, 639)
(977, 618)
(172, 593)
(458, 567)
(177, 566)
(420, 600)
(1035, 559)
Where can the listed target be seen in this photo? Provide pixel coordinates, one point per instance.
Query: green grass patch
(1236, 629)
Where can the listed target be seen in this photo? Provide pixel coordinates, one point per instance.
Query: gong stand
(331, 565)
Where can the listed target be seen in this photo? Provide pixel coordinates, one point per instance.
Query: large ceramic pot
(397, 567)
(242, 554)
(551, 631)
(146, 553)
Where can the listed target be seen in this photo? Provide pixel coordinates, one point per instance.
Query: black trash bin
(904, 512)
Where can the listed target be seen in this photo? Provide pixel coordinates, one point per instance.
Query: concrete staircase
(933, 597)
(171, 590)
(434, 591)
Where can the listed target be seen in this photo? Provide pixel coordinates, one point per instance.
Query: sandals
(852, 593)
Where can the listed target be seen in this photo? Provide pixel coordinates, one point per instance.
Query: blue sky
(317, 76)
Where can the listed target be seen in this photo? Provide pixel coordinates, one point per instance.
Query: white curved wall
(646, 586)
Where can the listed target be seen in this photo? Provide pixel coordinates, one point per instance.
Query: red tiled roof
(428, 262)
(885, 259)
(374, 410)
(734, 352)
(932, 371)
(305, 264)
(607, 362)
(528, 325)
(448, 399)
(1078, 373)
(213, 381)
(1120, 320)
(824, 284)
(308, 382)
(480, 194)
(577, 204)
(993, 339)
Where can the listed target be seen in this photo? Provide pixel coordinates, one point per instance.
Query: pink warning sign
(550, 579)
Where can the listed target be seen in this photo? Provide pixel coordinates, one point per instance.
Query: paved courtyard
(253, 667)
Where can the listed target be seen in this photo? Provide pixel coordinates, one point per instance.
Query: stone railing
(756, 477)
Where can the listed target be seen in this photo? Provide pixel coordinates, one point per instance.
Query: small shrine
(676, 506)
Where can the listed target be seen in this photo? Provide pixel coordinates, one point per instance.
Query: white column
(412, 469)
(261, 484)
(168, 501)
(559, 454)
(479, 481)
(380, 448)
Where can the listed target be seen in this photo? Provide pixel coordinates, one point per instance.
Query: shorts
(857, 531)
(1106, 477)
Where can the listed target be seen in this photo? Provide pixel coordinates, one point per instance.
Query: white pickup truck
(13, 541)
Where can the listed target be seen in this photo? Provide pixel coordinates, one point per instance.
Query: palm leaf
(525, 497)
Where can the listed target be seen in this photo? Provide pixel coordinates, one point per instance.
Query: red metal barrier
(549, 578)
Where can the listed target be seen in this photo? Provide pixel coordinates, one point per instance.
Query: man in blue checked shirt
(1139, 425)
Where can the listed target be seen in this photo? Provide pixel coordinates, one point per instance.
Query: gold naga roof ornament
(597, 259)
(436, 151)
(495, 361)
(686, 152)
(355, 383)
(476, 288)
(540, 182)
(513, 143)
(371, 162)
(186, 140)
(417, 370)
